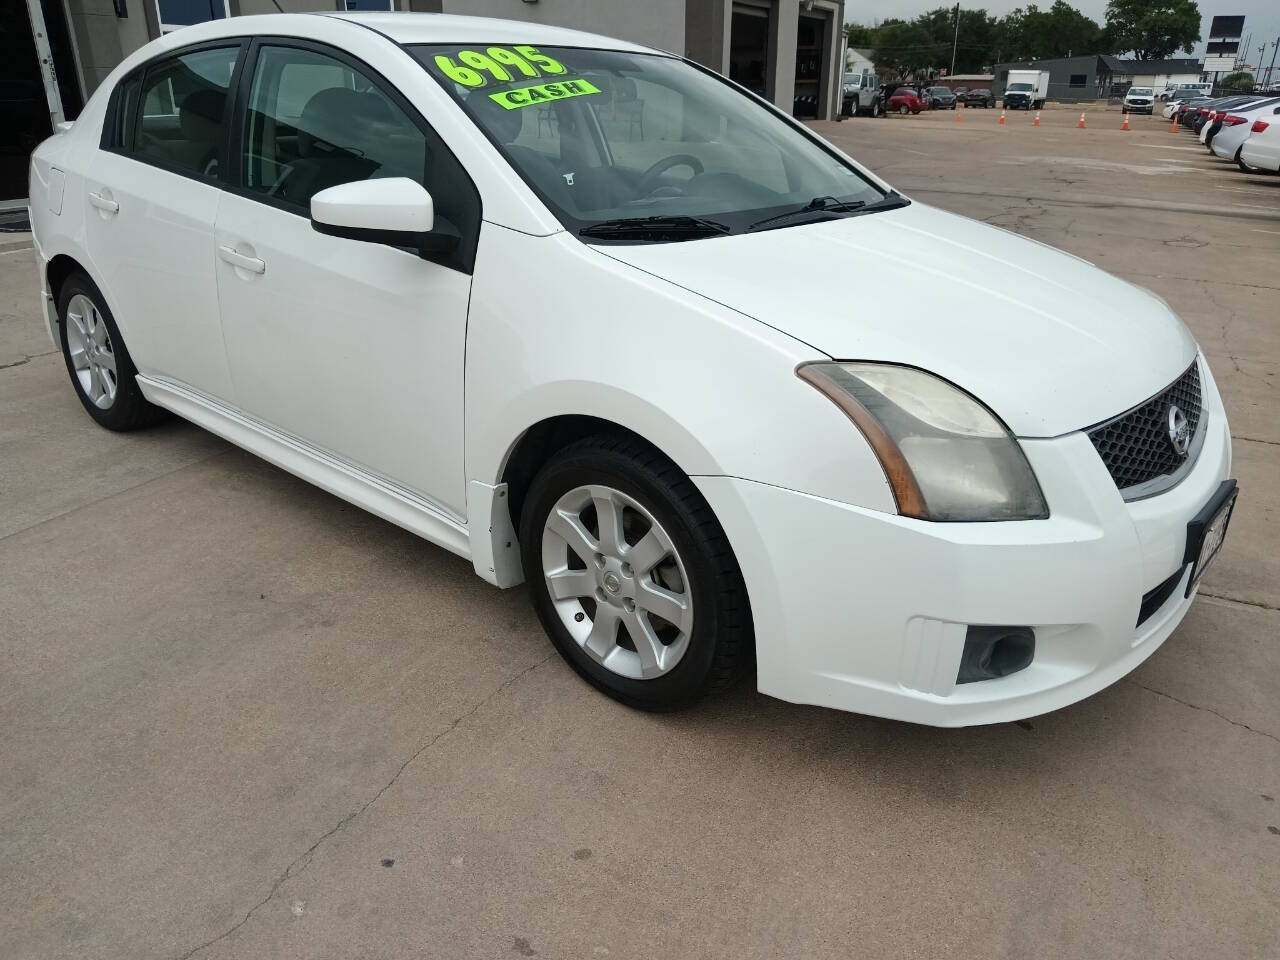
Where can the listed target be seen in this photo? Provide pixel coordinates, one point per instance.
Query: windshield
(1139, 91)
(1020, 86)
(604, 136)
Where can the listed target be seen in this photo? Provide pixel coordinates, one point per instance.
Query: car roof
(447, 28)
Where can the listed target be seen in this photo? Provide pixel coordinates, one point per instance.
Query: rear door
(151, 196)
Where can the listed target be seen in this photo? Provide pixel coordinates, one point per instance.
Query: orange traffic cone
(1173, 127)
(1002, 117)
(959, 113)
(1126, 121)
(1080, 125)
(1037, 120)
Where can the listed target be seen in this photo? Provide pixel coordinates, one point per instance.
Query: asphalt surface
(241, 718)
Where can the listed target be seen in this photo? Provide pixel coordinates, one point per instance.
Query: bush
(1238, 81)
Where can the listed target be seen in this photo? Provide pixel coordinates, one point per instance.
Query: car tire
(1244, 166)
(659, 512)
(904, 109)
(875, 108)
(101, 370)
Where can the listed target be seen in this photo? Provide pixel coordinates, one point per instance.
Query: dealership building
(1096, 76)
(55, 53)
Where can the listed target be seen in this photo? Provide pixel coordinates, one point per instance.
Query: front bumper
(865, 611)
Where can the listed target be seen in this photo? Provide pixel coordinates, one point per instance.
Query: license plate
(1211, 530)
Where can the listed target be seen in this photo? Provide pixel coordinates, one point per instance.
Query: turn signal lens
(945, 455)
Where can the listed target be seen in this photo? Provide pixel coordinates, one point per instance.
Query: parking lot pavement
(243, 719)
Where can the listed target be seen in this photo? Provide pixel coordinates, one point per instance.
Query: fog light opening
(991, 652)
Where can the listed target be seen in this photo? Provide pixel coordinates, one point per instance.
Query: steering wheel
(649, 180)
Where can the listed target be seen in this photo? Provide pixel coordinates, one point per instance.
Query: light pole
(1274, 45)
(955, 39)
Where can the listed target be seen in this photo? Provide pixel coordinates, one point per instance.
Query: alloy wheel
(92, 355)
(617, 582)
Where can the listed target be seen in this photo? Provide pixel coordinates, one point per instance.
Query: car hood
(1050, 342)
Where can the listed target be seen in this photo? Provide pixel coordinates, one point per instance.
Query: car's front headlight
(946, 456)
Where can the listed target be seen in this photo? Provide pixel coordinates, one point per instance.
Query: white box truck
(1026, 89)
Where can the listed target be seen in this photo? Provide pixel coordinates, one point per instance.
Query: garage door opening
(749, 48)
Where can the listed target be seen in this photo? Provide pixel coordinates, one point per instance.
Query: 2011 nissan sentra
(585, 313)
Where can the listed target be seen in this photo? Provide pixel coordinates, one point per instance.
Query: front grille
(1135, 446)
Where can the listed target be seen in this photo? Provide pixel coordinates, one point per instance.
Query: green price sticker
(472, 68)
(518, 97)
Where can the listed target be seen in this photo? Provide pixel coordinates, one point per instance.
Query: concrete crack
(28, 359)
(303, 860)
(1234, 723)
(1248, 603)
(1274, 443)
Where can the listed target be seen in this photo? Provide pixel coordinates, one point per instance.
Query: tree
(860, 35)
(1242, 81)
(1153, 29)
(905, 49)
(1033, 34)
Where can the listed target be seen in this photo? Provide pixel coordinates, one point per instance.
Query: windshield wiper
(827, 208)
(657, 228)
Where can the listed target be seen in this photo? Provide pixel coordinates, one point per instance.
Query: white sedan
(579, 311)
(1262, 150)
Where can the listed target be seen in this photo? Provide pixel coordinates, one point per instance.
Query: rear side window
(177, 118)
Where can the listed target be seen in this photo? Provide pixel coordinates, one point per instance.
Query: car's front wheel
(632, 575)
(102, 372)
(875, 108)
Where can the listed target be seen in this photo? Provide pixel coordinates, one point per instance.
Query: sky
(1261, 17)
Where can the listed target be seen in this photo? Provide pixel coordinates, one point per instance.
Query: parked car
(1261, 152)
(1187, 91)
(940, 98)
(1237, 126)
(977, 98)
(959, 91)
(610, 386)
(907, 100)
(862, 95)
(1139, 100)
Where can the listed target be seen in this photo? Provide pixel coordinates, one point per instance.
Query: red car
(907, 100)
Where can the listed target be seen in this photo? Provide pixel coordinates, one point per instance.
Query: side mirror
(395, 210)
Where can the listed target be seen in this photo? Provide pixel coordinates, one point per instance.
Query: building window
(367, 5)
(1079, 80)
(183, 13)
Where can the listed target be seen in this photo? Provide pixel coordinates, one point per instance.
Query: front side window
(315, 121)
(182, 110)
(605, 136)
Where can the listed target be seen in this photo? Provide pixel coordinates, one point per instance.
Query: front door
(355, 348)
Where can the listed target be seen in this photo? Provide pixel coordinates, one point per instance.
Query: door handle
(102, 203)
(237, 259)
